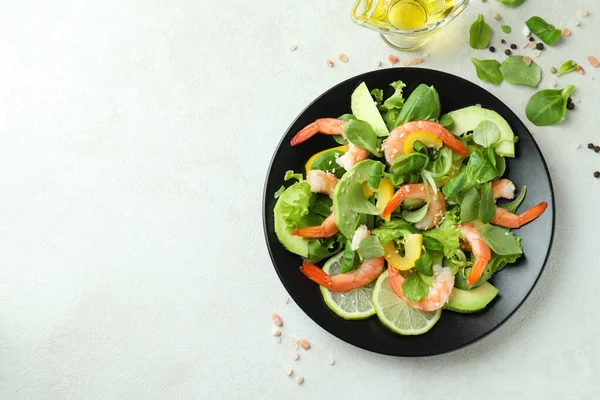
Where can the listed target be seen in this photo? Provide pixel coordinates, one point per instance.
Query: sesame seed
(377, 63)
(584, 13)
(286, 299)
(331, 361)
(295, 355)
(575, 22)
(299, 380)
(292, 47)
(537, 53)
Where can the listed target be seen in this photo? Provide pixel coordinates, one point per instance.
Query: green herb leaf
(375, 174)
(358, 203)
(422, 104)
(486, 134)
(447, 233)
(513, 206)
(469, 208)
(406, 163)
(548, 33)
(347, 117)
(480, 33)
(512, 3)
(320, 249)
(370, 247)
(514, 70)
(456, 184)
(479, 170)
(414, 288)
(432, 244)
(568, 66)
(396, 100)
(327, 162)
(415, 216)
(424, 264)
(447, 121)
(361, 134)
(377, 96)
(396, 179)
(501, 241)
(506, 29)
(487, 205)
(393, 230)
(488, 71)
(548, 107)
(321, 206)
(349, 259)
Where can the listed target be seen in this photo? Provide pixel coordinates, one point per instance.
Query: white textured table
(134, 141)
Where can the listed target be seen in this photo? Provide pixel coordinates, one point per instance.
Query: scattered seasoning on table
(580, 70)
(343, 58)
(575, 22)
(299, 380)
(329, 63)
(513, 46)
(590, 145)
(276, 319)
(286, 299)
(531, 39)
(492, 49)
(593, 61)
(288, 371)
(406, 63)
(497, 17)
(584, 13)
(392, 59)
(553, 70)
(295, 355)
(571, 107)
(416, 60)
(526, 31)
(566, 32)
(540, 46)
(507, 52)
(597, 174)
(597, 149)
(305, 344)
(292, 47)
(537, 53)
(377, 63)
(331, 361)
(503, 41)
(532, 45)
(276, 332)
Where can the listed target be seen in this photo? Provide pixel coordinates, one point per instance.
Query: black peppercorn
(513, 46)
(597, 174)
(571, 106)
(531, 39)
(591, 146)
(507, 52)
(503, 41)
(492, 49)
(539, 46)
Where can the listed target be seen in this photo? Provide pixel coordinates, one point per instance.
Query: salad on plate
(403, 210)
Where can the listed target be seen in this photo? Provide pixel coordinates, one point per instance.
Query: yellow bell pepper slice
(412, 251)
(385, 192)
(428, 139)
(311, 160)
(368, 191)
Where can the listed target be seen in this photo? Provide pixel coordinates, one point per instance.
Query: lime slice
(355, 304)
(394, 313)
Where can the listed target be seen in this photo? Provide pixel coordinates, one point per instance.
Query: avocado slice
(467, 119)
(470, 301)
(364, 108)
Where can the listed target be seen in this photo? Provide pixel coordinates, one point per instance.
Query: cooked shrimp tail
(316, 274)
(327, 229)
(513, 221)
(327, 126)
(481, 251)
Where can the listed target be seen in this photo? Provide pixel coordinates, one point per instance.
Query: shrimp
(505, 189)
(394, 144)
(367, 272)
(360, 233)
(438, 295)
(332, 126)
(482, 252)
(415, 191)
(320, 182)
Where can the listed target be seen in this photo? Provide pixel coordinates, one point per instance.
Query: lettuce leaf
(393, 230)
(390, 109)
(447, 233)
(293, 204)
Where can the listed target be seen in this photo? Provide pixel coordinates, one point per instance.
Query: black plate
(453, 330)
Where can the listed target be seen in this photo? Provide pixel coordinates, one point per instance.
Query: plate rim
(464, 81)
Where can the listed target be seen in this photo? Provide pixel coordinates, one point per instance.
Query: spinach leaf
(487, 205)
(361, 134)
(479, 34)
(447, 121)
(358, 203)
(456, 184)
(432, 244)
(514, 70)
(469, 208)
(422, 104)
(488, 71)
(568, 66)
(406, 163)
(415, 216)
(500, 165)
(512, 3)
(327, 162)
(321, 206)
(375, 173)
(548, 107)
(349, 259)
(396, 179)
(347, 117)
(496, 264)
(393, 230)
(320, 249)
(506, 29)
(424, 264)
(479, 170)
(502, 241)
(414, 288)
(514, 205)
(486, 134)
(370, 247)
(548, 33)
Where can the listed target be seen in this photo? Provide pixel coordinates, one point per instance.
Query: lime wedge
(394, 313)
(355, 304)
